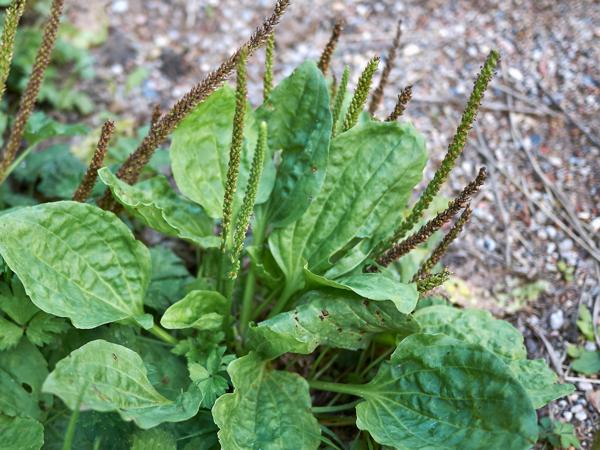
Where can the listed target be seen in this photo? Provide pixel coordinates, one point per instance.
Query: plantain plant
(308, 320)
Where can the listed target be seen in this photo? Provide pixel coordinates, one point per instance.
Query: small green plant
(558, 435)
(302, 326)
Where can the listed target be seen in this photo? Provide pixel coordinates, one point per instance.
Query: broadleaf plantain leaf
(76, 261)
(334, 318)
(438, 392)
(299, 123)
(539, 381)
(20, 433)
(155, 203)
(203, 310)
(371, 172)
(269, 409)
(114, 378)
(372, 286)
(200, 153)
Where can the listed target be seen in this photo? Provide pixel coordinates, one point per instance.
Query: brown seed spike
(87, 183)
(401, 103)
(325, 59)
(42, 59)
(442, 247)
(385, 75)
(132, 167)
(156, 115)
(425, 232)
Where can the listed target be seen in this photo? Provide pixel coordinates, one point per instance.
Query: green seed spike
(237, 141)
(249, 199)
(360, 94)
(339, 99)
(454, 149)
(268, 80)
(432, 281)
(11, 22)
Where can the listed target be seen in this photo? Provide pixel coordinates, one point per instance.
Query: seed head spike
(339, 99)
(42, 59)
(11, 22)
(268, 80)
(432, 281)
(325, 59)
(403, 99)
(360, 94)
(249, 198)
(454, 149)
(387, 69)
(89, 179)
(235, 152)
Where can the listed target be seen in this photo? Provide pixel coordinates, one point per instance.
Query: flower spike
(385, 75)
(432, 281)
(235, 152)
(325, 59)
(401, 103)
(360, 94)
(7, 41)
(243, 221)
(89, 179)
(339, 99)
(268, 79)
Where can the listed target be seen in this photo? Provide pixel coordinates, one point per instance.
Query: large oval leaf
(371, 172)
(438, 392)
(155, 203)
(200, 152)
(114, 378)
(268, 410)
(76, 261)
(20, 433)
(299, 120)
(203, 310)
(334, 318)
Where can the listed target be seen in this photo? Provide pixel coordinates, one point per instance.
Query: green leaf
(585, 323)
(299, 122)
(558, 434)
(41, 127)
(372, 286)
(114, 378)
(334, 318)
(438, 392)
(22, 372)
(371, 172)
(154, 439)
(156, 205)
(10, 334)
(210, 377)
(269, 409)
(44, 328)
(539, 381)
(475, 327)
(76, 261)
(587, 363)
(200, 151)
(20, 433)
(203, 310)
(168, 279)
(14, 301)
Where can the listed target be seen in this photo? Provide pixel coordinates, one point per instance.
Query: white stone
(411, 50)
(568, 415)
(120, 6)
(585, 386)
(557, 320)
(577, 408)
(581, 416)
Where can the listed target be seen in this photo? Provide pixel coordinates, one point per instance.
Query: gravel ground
(531, 252)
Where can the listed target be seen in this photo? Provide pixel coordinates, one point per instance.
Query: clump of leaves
(557, 434)
(305, 331)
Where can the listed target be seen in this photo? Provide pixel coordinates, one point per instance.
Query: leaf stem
(334, 408)
(162, 334)
(350, 389)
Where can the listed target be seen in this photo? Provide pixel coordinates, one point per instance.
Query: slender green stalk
(360, 94)
(350, 389)
(268, 79)
(245, 214)
(339, 99)
(70, 432)
(237, 140)
(160, 333)
(334, 408)
(454, 149)
(7, 41)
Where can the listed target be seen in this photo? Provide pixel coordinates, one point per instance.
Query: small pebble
(590, 346)
(568, 415)
(120, 6)
(585, 386)
(577, 408)
(581, 416)
(557, 320)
